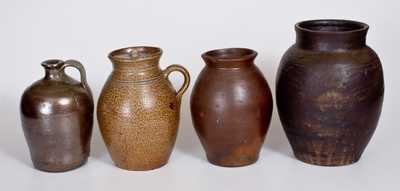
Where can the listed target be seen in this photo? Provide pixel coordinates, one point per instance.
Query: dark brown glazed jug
(138, 109)
(329, 92)
(231, 106)
(57, 118)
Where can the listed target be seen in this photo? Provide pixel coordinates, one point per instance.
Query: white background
(33, 31)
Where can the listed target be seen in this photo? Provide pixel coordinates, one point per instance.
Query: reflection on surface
(45, 108)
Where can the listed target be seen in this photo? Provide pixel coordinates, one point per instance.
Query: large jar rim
(331, 26)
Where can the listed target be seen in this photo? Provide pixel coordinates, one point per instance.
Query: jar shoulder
(307, 58)
(305, 64)
(352, 72)
(236, 84)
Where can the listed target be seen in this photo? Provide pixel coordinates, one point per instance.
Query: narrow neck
(54, 74)
(140, 63)
(53, 69)
(136, 70)
(331, 35)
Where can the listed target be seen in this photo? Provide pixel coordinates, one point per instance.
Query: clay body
(57, 118)
(231, 107)
(138, 109)
(329, 92)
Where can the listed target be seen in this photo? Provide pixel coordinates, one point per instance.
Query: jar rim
(230, 54)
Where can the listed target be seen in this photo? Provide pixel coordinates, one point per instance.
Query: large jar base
(327, 161)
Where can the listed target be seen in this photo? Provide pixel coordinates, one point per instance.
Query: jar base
(327, 161)
(233, 163)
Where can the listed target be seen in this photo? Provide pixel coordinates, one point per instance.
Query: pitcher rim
(151, 51)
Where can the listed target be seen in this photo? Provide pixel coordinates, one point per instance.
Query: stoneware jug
(138, 109)
(329, 92)
(57, 118)
(231, 107)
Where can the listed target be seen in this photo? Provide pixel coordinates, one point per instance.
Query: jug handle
(185, 74)
(76, 64)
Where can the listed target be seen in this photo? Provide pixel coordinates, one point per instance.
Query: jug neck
(330, 35)
(53, 70)
(136, 63)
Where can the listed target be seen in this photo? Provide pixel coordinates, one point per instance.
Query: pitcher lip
(341, 26)
(230, 54)
(142, 53)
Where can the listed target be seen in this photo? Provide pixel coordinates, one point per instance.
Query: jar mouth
(230, 54)
(333, 26)
(135, 53)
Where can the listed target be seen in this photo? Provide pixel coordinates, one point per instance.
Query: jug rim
(52, 63)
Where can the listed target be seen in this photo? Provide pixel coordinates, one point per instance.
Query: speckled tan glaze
(138, 109)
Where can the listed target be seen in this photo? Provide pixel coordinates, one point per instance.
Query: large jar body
(329, 99)
(57, 119)
(231, 110)
(138, 121)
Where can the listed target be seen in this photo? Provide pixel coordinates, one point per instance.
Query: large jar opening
(135, 53)
(331, 26)
(330, 35)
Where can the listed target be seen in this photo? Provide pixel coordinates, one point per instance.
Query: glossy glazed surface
(330, 92)
(57, 118)
(231, 107)
(138, 109)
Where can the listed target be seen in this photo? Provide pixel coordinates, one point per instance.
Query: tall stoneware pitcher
(57, 118)
(329, 92)
(138, 109)
(231, 106)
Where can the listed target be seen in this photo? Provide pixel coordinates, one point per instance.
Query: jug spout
(52, 69)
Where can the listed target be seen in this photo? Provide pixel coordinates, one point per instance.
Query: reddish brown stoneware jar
(57, 118)
(231, 106)
(329, 92)
(138, 109)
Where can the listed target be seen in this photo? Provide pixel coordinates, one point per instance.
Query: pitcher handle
(185, 74)
(76, 64)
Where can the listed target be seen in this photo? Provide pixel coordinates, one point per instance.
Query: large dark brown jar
(330, 92)
(138, 109)
(231, 106)
(57, 118)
